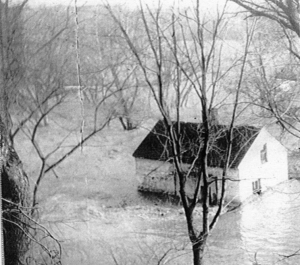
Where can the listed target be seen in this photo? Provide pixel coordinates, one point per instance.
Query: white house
(258, 161)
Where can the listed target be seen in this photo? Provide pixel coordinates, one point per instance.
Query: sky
(209, 6)
(129, 3)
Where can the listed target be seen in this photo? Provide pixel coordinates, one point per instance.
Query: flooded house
(258, 161)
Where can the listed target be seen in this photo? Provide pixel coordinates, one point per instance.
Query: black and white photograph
(150, 132)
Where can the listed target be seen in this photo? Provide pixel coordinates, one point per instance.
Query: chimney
(214, 116)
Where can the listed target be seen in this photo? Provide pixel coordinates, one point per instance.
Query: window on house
(264, 154)
(256, 186)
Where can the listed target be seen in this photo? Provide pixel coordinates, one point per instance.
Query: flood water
(263, 231)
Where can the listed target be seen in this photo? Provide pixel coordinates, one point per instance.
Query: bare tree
(45, 91)
(46, 58)
(284, 12)
(13, 178)
(108, 66)
(275, 85)
(273, 92)
(32, 132)
(23, 235)
(196, 59)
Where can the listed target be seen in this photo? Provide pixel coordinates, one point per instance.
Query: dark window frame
(264, 154)
(256, 186)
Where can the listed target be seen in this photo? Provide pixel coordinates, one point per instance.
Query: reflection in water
(267, 228)
(261, 232)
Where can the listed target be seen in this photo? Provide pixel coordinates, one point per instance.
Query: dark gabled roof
(156, 145)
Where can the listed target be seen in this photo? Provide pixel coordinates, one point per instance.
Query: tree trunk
(14, 183)
(122, 123)
(198, 253)
(14, 188)
(128, 126)
(15, 196)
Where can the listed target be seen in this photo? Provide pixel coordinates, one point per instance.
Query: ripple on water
(268, 226)
(261, 231)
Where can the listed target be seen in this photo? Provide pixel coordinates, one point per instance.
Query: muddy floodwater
(265, 231)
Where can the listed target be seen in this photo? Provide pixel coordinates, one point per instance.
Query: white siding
(270, 173)
(158, 176)
(232, 187)
(154, 175)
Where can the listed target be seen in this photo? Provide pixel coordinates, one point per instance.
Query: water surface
(264, 230)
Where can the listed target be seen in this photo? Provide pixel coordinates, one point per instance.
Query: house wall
(154, 176)
(158, 176)
(270, 173)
